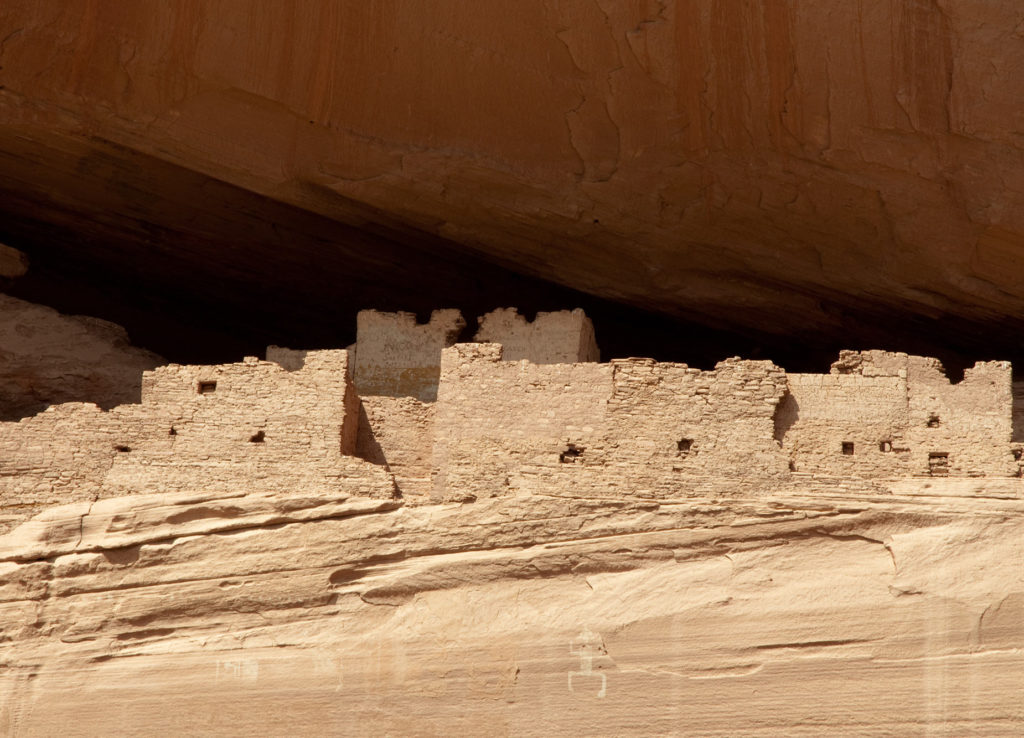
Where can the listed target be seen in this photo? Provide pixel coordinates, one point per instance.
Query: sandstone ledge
(792, 616)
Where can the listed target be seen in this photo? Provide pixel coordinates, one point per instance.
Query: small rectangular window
(207, 388)
(938, 464)
(847, 448)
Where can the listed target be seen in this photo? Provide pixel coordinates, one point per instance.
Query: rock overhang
(696, 165)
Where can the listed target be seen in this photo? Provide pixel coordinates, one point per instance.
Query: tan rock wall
(628, 428)
(48, 358)
(822, 412)
(884, 414)
(672, 430)
(493, 416)
(972, 421)
(631, 427)
(398, 433)
(254, 422)
(61, 455)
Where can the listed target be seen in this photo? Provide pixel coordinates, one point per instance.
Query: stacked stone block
(249, 427)
(881, 414)
(563, 337)
(535, 425)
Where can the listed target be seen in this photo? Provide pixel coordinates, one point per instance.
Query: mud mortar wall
(494, 416)
(563, 337)
(396, 356)
(398, 434)
(631, 428)
(252, 426)
(883, 414)
(845, 424)
(971, 421)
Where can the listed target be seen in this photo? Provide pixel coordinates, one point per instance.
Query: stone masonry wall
(628, 428)
(398, 434)
(563, 337)
(60, 455)
(255, 421)
(251, 426)
(397, 357)
(971, 421)
(881, 414)
(671, 430)
(494, 416)
(845, 424)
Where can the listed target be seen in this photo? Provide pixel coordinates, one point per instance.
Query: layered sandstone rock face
(778, 167)
(317, 615)
(48, 358)
(424, 536)
(627, 548)
(13, 263)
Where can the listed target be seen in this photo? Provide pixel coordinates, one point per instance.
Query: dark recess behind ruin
(201, 271)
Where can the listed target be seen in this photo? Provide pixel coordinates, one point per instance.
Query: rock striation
(844, 173)
(626, 548)
(47, 358)
(313, 614)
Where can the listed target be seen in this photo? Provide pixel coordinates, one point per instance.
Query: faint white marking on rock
(247, 669)
(586, 645)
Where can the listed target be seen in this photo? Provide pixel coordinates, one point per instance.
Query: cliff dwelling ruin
(576, 368)
(527, 408)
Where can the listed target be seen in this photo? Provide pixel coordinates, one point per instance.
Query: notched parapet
(563, 337)
(882, 414)
(398, 357)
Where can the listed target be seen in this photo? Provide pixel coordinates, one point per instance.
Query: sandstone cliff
(535, 551)
(317, 615)
(47, 358)
(773, 179)
(828, 169)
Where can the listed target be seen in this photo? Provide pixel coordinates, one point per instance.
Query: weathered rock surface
(47, 358)
(793, 171)
(649, 549)
(316, 614)
(819, 168)
(13, 263)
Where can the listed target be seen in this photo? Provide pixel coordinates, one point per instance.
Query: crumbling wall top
(873, 363)
(563, 337)
(396, 356)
